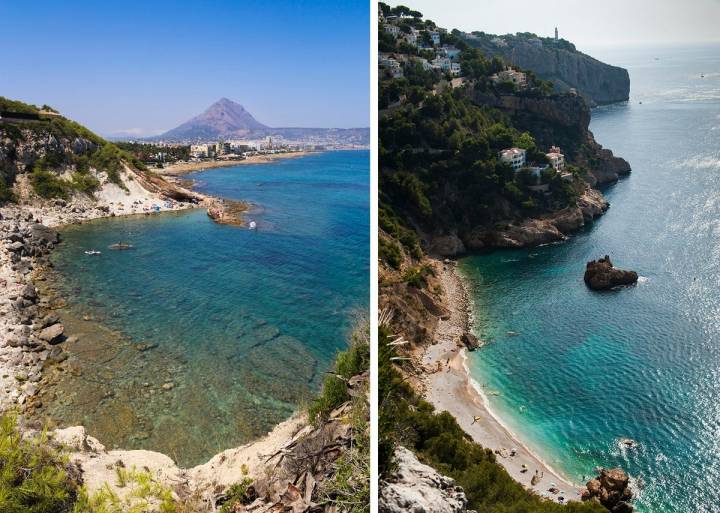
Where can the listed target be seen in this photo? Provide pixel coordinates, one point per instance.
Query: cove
(204, 336)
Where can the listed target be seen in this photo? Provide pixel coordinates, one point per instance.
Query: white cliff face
(416, 487)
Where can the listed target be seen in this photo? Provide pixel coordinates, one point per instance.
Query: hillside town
(422, 45)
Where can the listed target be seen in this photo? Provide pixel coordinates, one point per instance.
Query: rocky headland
(599, 83)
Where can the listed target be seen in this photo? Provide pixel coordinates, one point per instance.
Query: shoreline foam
(450, 387)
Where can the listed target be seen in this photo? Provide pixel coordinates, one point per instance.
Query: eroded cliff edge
(560, 62)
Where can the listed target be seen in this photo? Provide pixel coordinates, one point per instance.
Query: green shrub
(144, 495)
(108, 160)
(34, 477)
(84, 183)
(390, 253)
(6, 192)
(237, 494)
(349, 487)
(354, 360)
(48, 185)
(415, 276)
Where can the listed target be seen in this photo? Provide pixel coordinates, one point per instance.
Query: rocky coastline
(32, 336)
(546, 229)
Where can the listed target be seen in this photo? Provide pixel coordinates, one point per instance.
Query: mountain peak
(223, 119)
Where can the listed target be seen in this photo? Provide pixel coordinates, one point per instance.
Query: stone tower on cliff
(556, 34)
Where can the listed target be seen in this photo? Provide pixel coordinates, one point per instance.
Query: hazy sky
(146, 66)
(587, 24)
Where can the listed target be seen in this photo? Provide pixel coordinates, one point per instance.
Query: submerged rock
(601, 275)
(611, 489)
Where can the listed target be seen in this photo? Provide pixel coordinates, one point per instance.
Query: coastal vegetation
(349, 486)
(35, 477)
(70, 147)
(154, 153)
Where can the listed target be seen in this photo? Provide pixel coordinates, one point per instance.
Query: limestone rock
(470, 341)
(52, 334)
(417, 487)
(611, 489)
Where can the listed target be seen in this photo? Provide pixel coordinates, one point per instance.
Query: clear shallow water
(590, 368)
(244, 323)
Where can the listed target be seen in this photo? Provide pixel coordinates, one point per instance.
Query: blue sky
(144, 67)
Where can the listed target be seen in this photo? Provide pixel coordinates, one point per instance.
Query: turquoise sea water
(244, 322)
(587, 369)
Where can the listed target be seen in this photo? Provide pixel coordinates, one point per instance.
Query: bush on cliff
(351, 362)
(48, 185)
(34, 477)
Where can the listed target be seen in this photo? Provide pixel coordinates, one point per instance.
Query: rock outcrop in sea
(602, 275)
(611, 489)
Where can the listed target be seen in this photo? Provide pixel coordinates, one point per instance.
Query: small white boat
(92, 252)
(252, 225)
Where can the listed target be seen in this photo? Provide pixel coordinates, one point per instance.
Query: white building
(390, 64)
(394, 30)
(450, 51)
(435, 36)
(510, 75)
(557, 159)
(513, 156)
(201, 151)
(425, 64)
(455, 68)
(537, 43)
(441, 63)
(412, 37)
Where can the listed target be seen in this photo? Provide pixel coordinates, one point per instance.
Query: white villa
(435, 36)
(556, 158)
(412, 37)
(510, 75)
(394, 30)
(441, 63)
(450, 51)
(513, 156)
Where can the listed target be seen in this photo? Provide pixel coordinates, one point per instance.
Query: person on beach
(475, 419)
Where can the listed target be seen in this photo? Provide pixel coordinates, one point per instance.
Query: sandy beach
(449, 387)
(188, 167)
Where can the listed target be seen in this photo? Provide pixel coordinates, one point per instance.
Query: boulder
(29, 292)
(42, 234)
(611, 489)
(52, 334)
(470, 341)
(602, 275)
